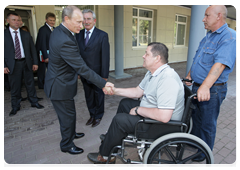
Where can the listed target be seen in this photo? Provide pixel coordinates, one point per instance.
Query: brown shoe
(96, 122)
(90, 121)
(98, 159)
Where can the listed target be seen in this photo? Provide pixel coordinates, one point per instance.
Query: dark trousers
(15, 81)
(41, 74)
(206, 114)
(66, 112)
(122, 124)
(94, 98)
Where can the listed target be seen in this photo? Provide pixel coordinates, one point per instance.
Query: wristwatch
(136, 110)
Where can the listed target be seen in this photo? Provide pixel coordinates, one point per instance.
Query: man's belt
(216, 84)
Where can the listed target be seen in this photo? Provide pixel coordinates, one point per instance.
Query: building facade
(142, 24)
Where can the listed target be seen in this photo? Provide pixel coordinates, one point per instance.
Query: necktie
(51, 28)
(17, 47)
(87, 38)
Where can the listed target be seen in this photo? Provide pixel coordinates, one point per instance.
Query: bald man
(213, 61)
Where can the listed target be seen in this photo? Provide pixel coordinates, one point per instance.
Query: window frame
(142, 18)
(182, 23)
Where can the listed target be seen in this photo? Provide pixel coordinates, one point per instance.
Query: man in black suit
(95, 52)
(65, 64)
(42, 46)
(20, 59)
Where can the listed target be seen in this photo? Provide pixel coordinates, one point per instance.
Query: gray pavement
(32, 136)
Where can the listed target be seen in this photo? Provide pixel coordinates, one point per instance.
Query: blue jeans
(206, 113)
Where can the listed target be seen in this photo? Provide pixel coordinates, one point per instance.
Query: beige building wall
(41, 11)
(163, 31)
(105, 22)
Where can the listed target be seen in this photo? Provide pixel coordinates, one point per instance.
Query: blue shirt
(216, 47)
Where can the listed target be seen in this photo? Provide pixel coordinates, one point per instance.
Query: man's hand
(108, 89)
(6, 70)
(46, 60)
(35, 67)
(132, 111)
(203, 93)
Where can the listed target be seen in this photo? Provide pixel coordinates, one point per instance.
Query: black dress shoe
(96, 122)
(90, 121)
(199, 158)
(74, 150)
(79, 135)
(13, 112)
(37, 105)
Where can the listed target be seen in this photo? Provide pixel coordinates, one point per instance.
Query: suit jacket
(42, 42)
(97, 53)
(9, 50)
(65, 63)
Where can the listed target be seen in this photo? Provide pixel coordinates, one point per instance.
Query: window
(180, 30)
(142, 22)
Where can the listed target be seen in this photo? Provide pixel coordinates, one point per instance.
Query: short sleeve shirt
(216, 47)
(163, 90)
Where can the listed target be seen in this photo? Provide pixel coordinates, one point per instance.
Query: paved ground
(32, 136)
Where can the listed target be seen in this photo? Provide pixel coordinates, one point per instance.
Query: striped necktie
(17, 47)
(87, 38)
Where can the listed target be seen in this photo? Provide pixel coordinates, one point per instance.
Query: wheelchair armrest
(171, 122)
(151, 121)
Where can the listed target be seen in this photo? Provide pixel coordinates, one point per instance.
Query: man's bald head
(220, 9)
(215, 17)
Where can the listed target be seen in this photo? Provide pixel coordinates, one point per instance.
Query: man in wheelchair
(162, 94)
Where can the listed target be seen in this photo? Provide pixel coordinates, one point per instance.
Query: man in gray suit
(20, 59)
(65, 64)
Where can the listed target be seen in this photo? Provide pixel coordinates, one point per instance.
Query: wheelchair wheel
(177, 148)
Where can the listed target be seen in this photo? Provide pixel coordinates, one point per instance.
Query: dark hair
(50, 14)
(12, 13)
(159, 49)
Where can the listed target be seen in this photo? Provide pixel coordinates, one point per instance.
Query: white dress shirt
(49, 26)
(20, 40)
(91, 31)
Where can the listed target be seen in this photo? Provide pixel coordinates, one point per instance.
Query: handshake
(109, 89)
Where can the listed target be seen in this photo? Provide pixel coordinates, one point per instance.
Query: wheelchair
(165, 143)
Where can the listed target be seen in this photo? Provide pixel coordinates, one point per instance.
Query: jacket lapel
(10, 37)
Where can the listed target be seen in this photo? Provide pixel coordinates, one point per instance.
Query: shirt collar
(91, 30)
(68, 29)
(223, 27)
(49, 26)
(159, 70)
(11, 30)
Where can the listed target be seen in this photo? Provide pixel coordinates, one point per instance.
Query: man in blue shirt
(214, 60)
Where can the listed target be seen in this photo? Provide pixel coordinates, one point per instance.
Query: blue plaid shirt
(216, 47)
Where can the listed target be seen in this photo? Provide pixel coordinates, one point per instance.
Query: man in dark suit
(95, 52)
(42, 44)
(20, 59)
(65, 64)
